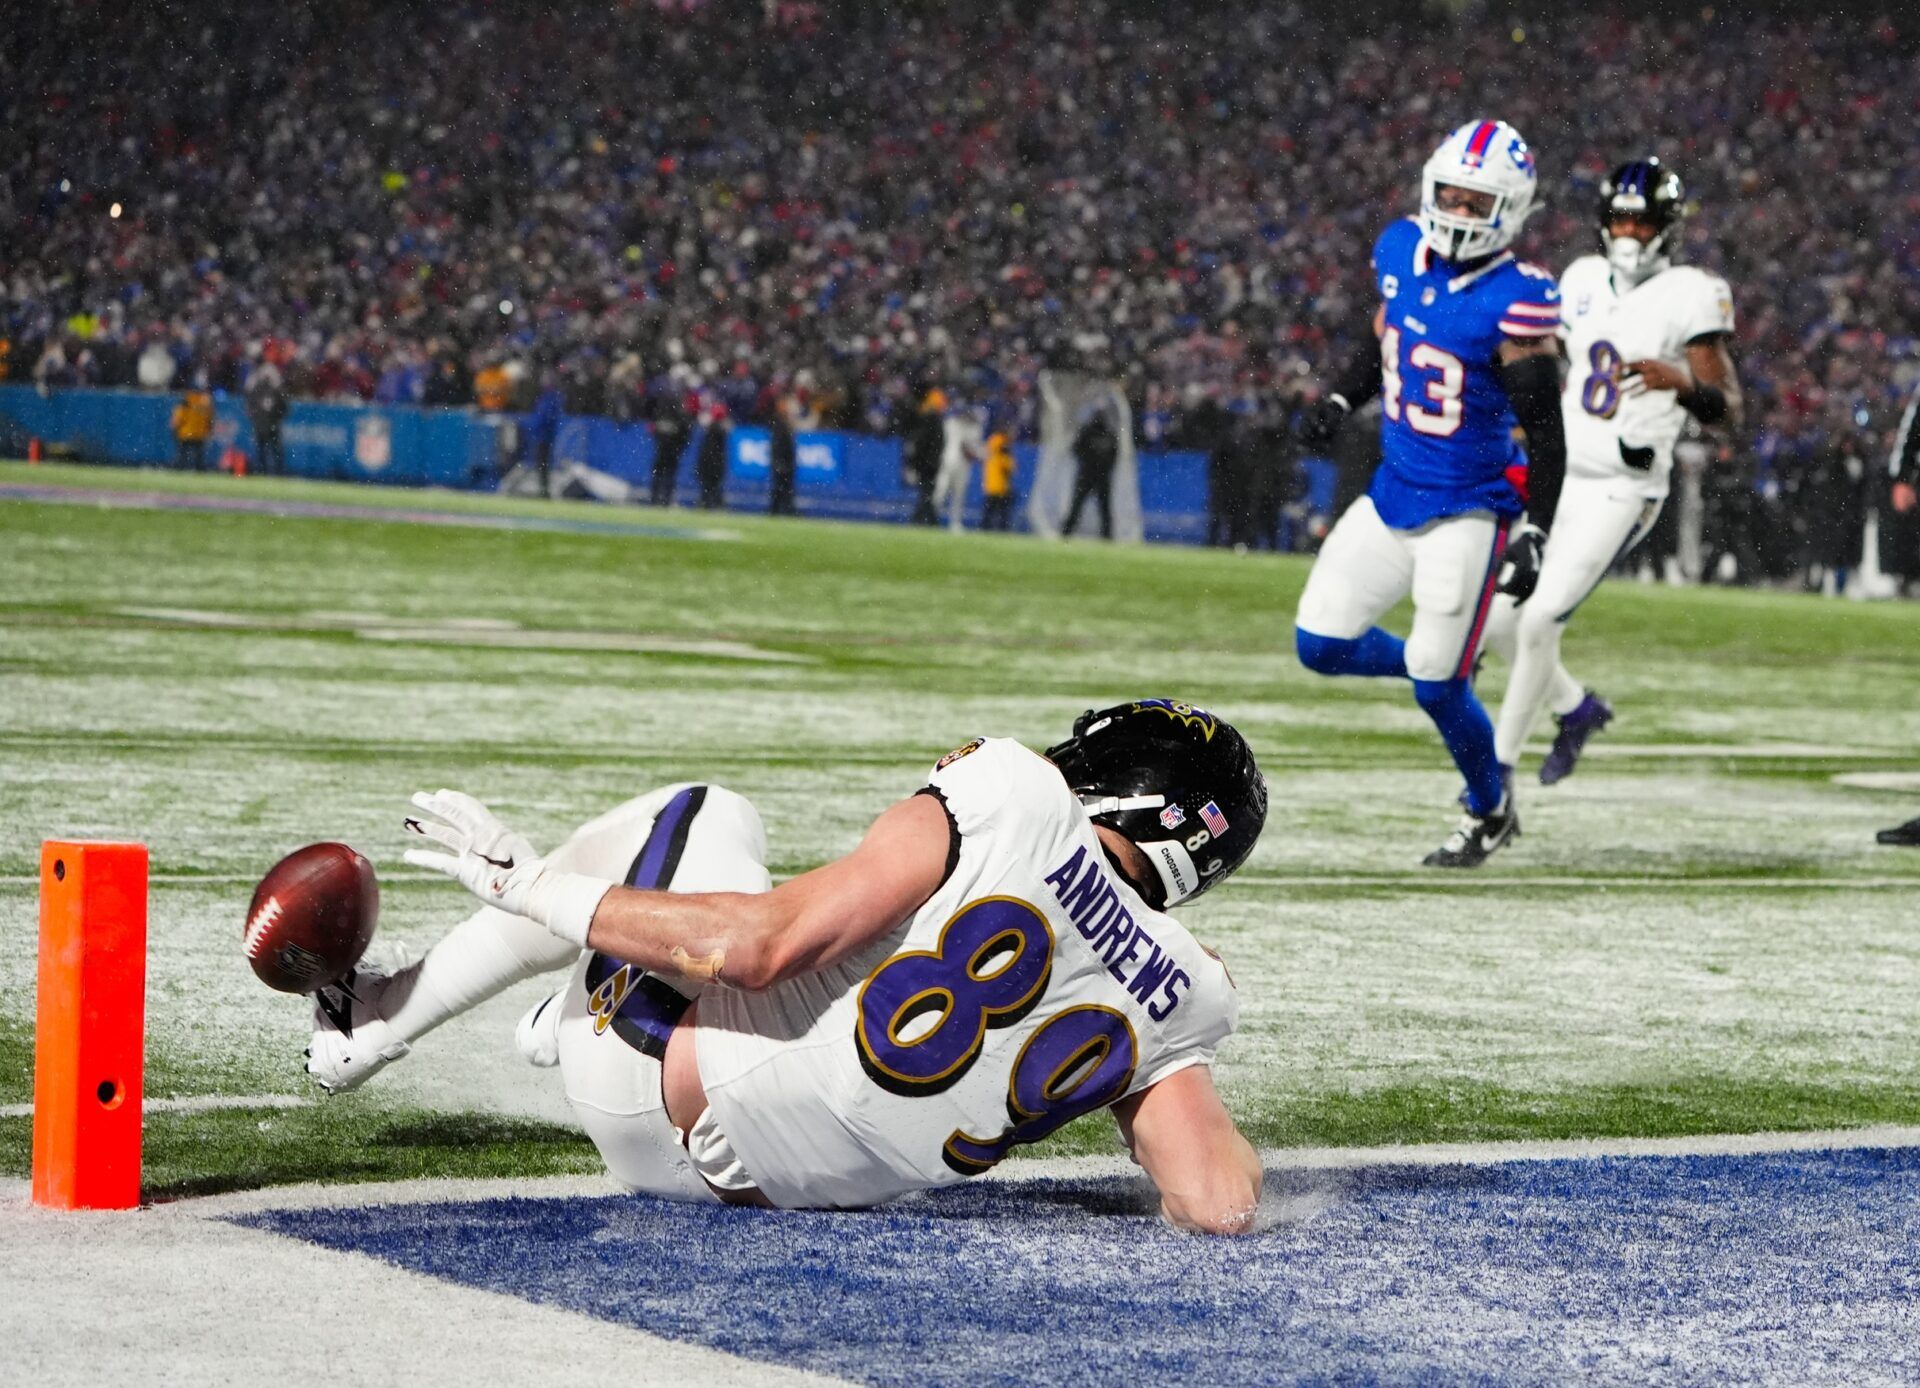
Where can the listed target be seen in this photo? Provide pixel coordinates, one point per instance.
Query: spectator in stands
(356, 179)
(192, 423)
(267, 410)
(996, 482)
(1096, 449)
(710, 461)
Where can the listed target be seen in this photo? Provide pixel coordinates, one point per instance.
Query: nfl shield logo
(1173, 817)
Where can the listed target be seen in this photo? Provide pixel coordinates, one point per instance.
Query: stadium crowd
(842, 204)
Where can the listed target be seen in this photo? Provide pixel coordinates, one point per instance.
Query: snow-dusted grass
(1611, 996)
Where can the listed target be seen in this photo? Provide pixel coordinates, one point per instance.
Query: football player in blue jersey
(1464, 349)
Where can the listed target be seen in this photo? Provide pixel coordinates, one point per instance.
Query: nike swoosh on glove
(499, 866)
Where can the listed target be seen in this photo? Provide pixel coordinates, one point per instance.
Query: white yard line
(191, 1103)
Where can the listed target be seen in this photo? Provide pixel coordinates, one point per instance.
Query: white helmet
(1487, 156)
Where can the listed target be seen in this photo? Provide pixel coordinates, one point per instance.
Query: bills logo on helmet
(1521, 156)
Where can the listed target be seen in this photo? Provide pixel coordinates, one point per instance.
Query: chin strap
(1114, 804)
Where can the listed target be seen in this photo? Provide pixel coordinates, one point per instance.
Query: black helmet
(1178, 782)
(1648, 189)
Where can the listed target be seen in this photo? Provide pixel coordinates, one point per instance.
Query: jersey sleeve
(1533, 304)
(1206, 1017)
(997, 782)
(1706, 308)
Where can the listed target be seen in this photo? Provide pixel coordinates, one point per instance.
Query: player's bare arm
(1208, 1174)
(1707, 385)
(750, 941)
(807, 923)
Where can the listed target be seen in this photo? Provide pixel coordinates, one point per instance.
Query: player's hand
(1650, 373)
(487, 858)
(1321, 422)
(1520, 563)
(1639, 459)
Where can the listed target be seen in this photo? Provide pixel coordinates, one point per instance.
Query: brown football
(312, 917)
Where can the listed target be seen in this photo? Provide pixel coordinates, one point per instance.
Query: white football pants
(1449, 565)
(950, 488)
(613, 1020)
(1598, 521)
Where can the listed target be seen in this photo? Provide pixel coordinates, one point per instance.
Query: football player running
(992, 961)
(1465, 349)
(1647, 340)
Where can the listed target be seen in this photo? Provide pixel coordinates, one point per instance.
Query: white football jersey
(1604, 329)
(1034, 986)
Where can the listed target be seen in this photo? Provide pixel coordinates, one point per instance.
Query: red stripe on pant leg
(1486, 604)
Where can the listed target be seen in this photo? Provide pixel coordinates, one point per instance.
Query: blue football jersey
(1447, 433)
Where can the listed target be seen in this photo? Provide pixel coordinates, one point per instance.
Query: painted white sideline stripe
(1027, 1169)
(191, 1103)
(1497, 1153)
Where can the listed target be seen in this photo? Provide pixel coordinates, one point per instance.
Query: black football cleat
(1585, 719)
(1477, 838)
(1901, 835)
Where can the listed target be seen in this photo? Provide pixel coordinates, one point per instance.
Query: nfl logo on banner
(1214, 820)
(1173, 817)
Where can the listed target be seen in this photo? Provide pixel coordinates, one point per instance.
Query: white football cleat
(351, 1039)
(538, 1035)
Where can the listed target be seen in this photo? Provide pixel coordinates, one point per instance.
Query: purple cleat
(1585, 719)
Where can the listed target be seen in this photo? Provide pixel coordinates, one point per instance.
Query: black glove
(1520, 563)
(1639, 459)
(1322, 420)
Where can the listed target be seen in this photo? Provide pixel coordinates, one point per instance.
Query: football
(312, 917)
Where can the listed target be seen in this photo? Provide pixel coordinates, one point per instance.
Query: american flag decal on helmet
(1215, 821)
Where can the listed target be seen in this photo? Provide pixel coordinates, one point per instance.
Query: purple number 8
(989, 968)
(1601, 396)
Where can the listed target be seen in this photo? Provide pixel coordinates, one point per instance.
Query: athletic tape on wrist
(564, 902)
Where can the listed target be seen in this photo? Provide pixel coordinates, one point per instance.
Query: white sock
(1565, 694)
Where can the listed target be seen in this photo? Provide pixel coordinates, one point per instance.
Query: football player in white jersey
(1647, 341)
(993, 961)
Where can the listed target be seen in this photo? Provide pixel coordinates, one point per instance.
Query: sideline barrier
(840, 475)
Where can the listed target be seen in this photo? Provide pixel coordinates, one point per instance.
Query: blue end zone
(1788, 1267)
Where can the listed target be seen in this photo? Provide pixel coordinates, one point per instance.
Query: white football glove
(499, 866)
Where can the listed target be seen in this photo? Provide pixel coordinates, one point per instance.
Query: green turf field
(1695, 933)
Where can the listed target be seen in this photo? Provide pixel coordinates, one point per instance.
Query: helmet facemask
(1481, 157)
(1649, 192)
(1458, 236)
